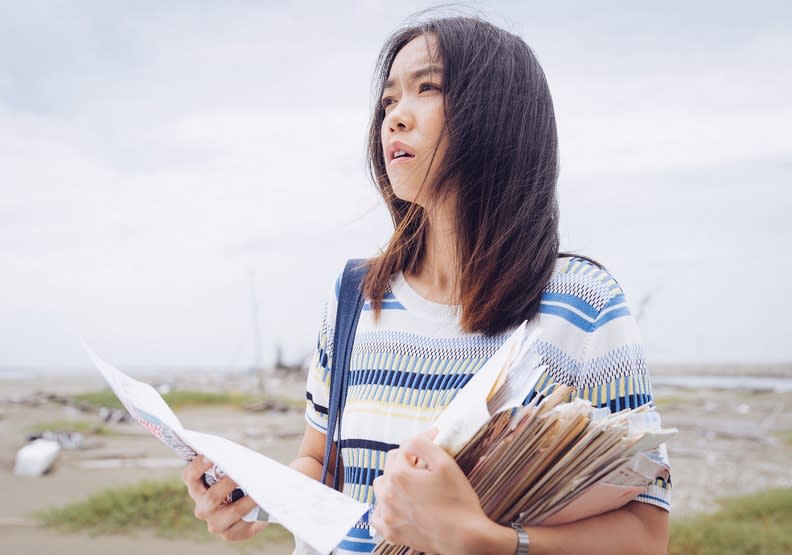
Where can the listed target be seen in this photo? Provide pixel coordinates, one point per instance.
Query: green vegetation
(670, 401)
(785, 436)
(99, 399)
(294, 404)
(176, 399)
(756, 524)
(81, 426)
(161, 507)
(185, 398)
(278, 402)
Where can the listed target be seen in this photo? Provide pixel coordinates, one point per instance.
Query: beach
(730, 442)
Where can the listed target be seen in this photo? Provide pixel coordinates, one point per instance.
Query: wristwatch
(523, 541)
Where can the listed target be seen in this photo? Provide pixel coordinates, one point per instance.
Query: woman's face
(414, 118)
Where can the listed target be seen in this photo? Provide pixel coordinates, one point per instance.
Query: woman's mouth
(398, 152)
(401, 156)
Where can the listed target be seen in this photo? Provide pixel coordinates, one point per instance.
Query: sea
(769, 378)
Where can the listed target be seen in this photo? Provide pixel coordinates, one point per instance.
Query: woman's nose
(400, 117)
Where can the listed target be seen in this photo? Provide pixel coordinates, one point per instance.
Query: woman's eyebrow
(417, 74)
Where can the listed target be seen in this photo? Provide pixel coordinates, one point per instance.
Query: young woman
(463, 148)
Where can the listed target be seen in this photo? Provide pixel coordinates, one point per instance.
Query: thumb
(422, 447)
(431, 433)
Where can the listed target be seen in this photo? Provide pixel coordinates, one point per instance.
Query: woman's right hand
(222, 519)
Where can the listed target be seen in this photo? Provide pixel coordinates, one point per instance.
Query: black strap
(350, 303)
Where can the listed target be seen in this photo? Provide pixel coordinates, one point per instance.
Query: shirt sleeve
(317, 389)
(613, 373)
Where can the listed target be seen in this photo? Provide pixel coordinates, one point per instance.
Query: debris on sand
(36, 458)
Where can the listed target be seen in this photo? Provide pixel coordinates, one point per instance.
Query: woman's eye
(387, 102)
(428, 87)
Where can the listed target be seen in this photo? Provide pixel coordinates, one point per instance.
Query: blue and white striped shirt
(407, 366)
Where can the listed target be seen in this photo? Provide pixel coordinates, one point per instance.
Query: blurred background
(181, 182)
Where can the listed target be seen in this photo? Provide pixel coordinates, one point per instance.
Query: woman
(463, 148)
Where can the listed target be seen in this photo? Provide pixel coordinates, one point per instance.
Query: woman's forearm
(636, 528)
(310, 467)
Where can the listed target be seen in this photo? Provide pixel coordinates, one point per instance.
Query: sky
(168, 170)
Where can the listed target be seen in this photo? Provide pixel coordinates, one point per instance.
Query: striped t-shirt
(406, 367)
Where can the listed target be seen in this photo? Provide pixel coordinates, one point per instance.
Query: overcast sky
(158, 158)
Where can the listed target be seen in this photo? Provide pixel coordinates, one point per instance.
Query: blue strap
(350, 303)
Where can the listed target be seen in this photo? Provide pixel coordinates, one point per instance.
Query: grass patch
(176, 399)
(297, 404)
(277, 402)
(99, 399)
(756, 524)
(785, 436)
(670, 401)
(159, 507)
(188, 398)
(81, 426)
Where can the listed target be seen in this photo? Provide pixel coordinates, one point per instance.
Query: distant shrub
(176, 399)
(161, 507)
(81, 426)
(759, 524)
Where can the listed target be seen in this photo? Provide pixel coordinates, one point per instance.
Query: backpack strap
(350, 303)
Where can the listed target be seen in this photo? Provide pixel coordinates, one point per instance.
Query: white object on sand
(36, 458)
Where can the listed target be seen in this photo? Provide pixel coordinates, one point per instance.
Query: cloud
(154, 155)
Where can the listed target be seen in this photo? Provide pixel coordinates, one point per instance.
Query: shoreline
(779, 370)
(726, 369)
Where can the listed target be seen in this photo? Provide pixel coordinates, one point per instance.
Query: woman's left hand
(423, 500)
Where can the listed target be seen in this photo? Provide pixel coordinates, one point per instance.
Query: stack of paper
(556, 460)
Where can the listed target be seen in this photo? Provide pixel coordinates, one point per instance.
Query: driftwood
(105, 464)
(42, 398)
(16, 522)
(132, 453)
(68, 439)
(270, 405)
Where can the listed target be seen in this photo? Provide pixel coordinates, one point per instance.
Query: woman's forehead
(419, 52)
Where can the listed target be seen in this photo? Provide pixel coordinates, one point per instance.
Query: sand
(276, 435)
(728, 444)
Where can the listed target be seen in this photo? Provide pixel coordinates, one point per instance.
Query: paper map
(315, 513)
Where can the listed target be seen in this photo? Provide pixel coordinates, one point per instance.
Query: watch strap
(523, 541)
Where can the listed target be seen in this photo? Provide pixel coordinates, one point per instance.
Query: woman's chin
(406, 194)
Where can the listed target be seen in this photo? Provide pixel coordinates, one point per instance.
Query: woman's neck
(437, 278)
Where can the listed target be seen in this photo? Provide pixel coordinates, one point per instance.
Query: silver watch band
(523, 541)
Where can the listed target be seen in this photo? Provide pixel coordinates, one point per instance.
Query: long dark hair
(502, 162)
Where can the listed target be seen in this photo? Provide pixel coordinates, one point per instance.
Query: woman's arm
(636, 528)
(310, 456)
(435, 509)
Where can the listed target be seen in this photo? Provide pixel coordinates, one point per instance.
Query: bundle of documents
(553, 461)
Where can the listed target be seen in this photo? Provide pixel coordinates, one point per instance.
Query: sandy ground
(277, 435)
(728, 444)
